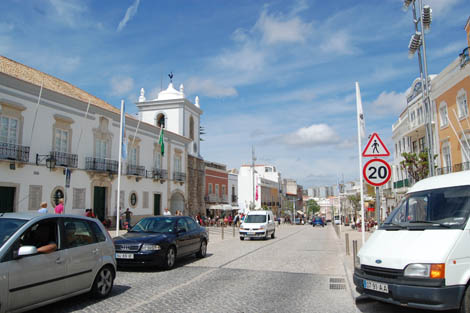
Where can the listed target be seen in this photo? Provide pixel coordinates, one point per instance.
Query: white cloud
(316, 134)
(453, 48)
(130, 13)
(338, 42)
(441, 7)
(278, 29)
(248, 58)
(210, 88)
(121, 85)
(389, 103)
(69, 12)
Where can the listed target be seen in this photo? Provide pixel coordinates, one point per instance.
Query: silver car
(46, 258)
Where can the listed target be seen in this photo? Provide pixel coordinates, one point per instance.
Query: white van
(420, 256)
(258, 224)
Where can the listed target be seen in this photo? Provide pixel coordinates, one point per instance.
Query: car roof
(442, 181)
(38, 216)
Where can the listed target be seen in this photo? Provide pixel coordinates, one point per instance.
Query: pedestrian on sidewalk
(59, 209)
(43, 207)
(128, 215)
(166, 212)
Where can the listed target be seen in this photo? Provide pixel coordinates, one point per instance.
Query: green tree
(416, 165)
(312, 207)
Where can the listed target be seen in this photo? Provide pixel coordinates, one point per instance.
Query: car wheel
(103, 283)
(242, 238)
(202, 250)
(170, 258)
(465, 303)
(273, 235)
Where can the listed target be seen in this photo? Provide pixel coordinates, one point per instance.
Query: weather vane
(171, 77)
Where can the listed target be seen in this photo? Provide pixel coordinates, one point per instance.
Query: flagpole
(36, 113)
(118, 212)
(359, 146)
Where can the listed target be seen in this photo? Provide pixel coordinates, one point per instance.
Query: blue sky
(278, 75)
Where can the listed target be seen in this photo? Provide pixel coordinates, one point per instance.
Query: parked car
(46, 258)
(258, 224)
(318, 221)
(160, 240)
(419, 256)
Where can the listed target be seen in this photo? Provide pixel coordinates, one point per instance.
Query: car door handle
(59, 260)
(95, 251)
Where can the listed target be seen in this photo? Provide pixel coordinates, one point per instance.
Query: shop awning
(227, 207)
(215, 207)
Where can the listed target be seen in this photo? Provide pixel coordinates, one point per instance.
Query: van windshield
(255, 219)
(437, 208)
(8, 226)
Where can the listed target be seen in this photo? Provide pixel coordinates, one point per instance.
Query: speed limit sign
(377, 172)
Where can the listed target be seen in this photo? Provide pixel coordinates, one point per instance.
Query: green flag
(160, 141)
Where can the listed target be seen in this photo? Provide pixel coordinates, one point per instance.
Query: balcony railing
(401, 183)
(179, 176)
(137, 170)
(158, 173)
(101, 165)
(234, 198)
(462, 167)
(444, 170)
(212, 198)
(224, 198)
(65, 159)
(464, 57)
(10, 151)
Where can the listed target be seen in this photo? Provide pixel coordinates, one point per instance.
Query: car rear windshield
(8, 226)
(154, 225)
(255, 219)
(436, 208)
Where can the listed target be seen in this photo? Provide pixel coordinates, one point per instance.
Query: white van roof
(259, 212)
(442, 181)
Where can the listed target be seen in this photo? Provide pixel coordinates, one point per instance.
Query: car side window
(191, 224)
(269, 218)
(181, 224)
(77, 233)
(97, 232)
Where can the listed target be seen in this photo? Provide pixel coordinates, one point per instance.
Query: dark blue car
(160, 240)
(318, 221)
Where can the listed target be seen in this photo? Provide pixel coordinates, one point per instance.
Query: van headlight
(436, 271)
(357, 262)
(148, 247)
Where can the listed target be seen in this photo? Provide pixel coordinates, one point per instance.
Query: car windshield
(8, 226)
(154, 225)
(442, 208)
(255, 219)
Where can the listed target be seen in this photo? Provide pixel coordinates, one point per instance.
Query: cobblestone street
(301, 270)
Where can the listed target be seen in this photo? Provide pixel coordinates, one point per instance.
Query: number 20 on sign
(377, 172)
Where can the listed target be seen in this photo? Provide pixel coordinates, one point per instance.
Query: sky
(277, 75)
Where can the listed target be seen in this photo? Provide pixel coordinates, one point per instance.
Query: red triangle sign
(375, 147)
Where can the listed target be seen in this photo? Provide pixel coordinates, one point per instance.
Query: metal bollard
(346, 236)
(354, 252)
(222, 231)
(234, 230)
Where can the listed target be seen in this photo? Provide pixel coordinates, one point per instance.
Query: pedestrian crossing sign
(375, 147)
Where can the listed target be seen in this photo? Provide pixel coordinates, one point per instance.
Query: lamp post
(422, 24)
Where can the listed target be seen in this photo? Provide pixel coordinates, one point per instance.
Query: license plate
(124, 256)
(373, 285)
(251, 233)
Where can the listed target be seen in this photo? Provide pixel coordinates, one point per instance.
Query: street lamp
(422, 23)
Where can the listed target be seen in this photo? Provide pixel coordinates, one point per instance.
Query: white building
(266, 185)
(233, 189)
(78, 131)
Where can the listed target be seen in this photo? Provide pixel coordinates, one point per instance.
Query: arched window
(191, 128)
(160, 120)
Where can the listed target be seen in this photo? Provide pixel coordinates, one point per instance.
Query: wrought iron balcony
(224, 198)
(462, 167)
(444, 170)
(211, 198)
(158, 173)
(234, 198)
(101, 165)
(464, 57)
(10, 151)
(179, 176)
(137, 170)
(65, 159)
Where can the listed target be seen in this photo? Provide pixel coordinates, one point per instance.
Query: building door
(99, 202)
(156, 204)
(7, 199)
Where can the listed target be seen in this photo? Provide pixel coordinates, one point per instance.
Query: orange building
(216, 187)
(450, 94)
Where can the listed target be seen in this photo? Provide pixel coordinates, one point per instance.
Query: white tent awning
(215, 207)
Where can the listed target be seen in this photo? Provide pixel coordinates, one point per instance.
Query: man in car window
(42, 238)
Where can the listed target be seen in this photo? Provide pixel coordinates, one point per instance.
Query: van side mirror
(25, 251)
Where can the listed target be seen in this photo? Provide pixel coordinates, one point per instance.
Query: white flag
(360, 114)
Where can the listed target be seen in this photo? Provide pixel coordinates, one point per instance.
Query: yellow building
(450, 95)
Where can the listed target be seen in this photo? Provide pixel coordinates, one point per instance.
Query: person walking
(59, 209)
(166, 212)
(128, 215)
(43, 208)
(89, 213)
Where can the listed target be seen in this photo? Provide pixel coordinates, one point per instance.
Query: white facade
(87, 144)
(264, 175)
(233, 189)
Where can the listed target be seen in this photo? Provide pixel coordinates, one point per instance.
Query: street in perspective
(240, 156)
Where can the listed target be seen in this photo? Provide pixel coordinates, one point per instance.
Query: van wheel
(103, 283)
(465, 304)
(272, 235)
